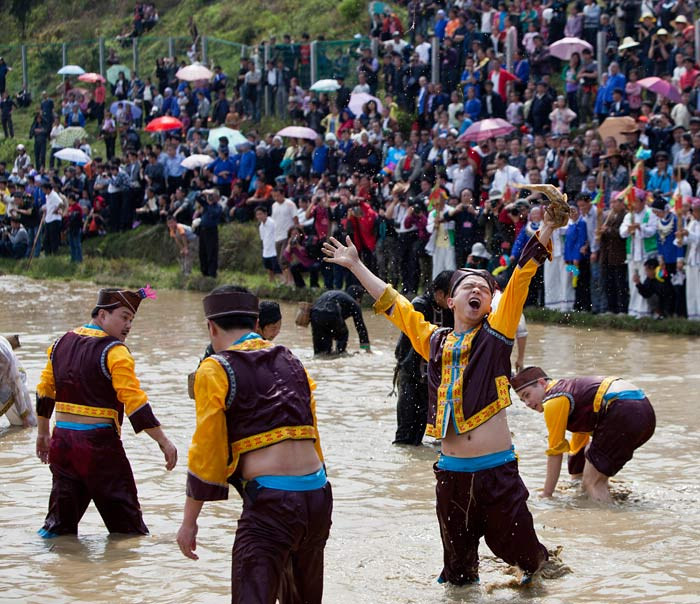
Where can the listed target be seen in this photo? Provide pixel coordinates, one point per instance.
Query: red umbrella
(161, 124)
(487, 128)
(661, 87)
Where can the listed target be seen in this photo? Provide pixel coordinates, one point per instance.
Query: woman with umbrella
(56, 130)
(121, 87)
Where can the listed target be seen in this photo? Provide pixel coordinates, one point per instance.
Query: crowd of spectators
(401, 175)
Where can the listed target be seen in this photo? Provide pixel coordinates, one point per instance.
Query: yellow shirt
(208, 458)
(556, 416)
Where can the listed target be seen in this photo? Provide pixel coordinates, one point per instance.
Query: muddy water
(384, 546)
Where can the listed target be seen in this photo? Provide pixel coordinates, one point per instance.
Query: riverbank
(148, 255)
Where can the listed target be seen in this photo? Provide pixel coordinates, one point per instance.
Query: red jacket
(363, 232)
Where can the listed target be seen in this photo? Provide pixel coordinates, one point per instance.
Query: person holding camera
(15, 240)
(573, 171)
(298, 258)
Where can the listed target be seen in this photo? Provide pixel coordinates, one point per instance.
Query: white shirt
(267, 236)
(503, 177)
(423, 50)
(648, 229)
(692, 240)
(53, 201)
(283, 215)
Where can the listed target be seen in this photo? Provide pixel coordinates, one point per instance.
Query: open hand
(337, 253)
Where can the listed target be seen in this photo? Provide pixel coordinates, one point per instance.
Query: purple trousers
(491, 504)
(89, 466)
(278, 550)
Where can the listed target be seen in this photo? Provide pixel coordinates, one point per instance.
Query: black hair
(233, 321)
(270, 313)
(261, 209)
(442, 282)
(355, 292)
(651, 263)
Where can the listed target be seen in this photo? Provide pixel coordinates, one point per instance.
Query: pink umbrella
(358, 100)
(487, 128)
(298, 132)
(661, 87)
(564, 48)
(91, 77)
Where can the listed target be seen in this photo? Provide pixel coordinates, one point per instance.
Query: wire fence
(35, 65)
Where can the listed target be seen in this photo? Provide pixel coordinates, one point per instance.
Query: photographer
(15, 241)
(573, 171)
(298, 258)
(361, 224)
(612, 175)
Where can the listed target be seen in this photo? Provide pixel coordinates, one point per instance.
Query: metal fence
(35, 65)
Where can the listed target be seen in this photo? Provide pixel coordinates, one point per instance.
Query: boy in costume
(479, 491)
(89, 380)
(609, 418)
(256, 429)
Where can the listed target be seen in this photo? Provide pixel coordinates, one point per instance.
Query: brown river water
(385, 544)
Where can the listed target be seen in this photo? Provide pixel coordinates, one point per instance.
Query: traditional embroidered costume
(90, 373)
(252, 395)
(468, 385)
(615, 418)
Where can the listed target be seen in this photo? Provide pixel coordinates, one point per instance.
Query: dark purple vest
(80, 371)
(581, 394)
(268, 389)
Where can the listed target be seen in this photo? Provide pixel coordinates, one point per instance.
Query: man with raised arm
(479, 491)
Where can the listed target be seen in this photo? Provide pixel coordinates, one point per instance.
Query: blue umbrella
(135, 109)
(71, 70)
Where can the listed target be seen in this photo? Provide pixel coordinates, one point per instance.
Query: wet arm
(553, 471)
(45, 401)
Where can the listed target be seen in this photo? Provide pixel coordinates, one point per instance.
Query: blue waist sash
(476, 464)
(625, 395)
(310, 482)
(78, 426)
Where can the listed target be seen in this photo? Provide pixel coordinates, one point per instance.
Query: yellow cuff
(560, 449)
(386, 300)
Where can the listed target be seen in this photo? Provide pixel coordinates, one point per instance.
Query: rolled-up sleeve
(207, 466)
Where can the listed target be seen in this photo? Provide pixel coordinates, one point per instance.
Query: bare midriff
(491, 437)
(288, 458)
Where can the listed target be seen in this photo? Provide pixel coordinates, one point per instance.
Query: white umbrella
(194, 72)
(358, 100)
(198, 160)
(299, 132)
(325, 86)
(234, 137)
(75, 155)
(71, 70)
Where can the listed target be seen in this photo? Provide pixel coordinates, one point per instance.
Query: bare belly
(288, 458)
(81, 419)
(491, 437)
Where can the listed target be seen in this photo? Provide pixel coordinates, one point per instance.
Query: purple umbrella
(487, 128)
(661, 87)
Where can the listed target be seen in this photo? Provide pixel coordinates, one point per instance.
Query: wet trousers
(491, 504)
(91, 466)
(411, 410)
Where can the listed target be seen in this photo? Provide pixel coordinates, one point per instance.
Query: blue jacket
(223, 165)
(667, 247)
(576, 237)
(246, 167)
(211, 216)
(319, 160)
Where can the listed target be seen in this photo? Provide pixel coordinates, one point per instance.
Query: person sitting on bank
(479, 491)
(656, 289)
(328, 315)
(249, 392)
(609, 419)
(15, 241)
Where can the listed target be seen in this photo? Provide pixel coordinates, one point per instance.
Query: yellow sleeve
(578, 441)
(556, 414)
(207, 465)
(317, 444)
(411, 322)
(506, 317)
(46, 388)
(120, 365)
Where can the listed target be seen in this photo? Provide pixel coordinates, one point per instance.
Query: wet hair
(230, 322)
(355, 292)
(269, 313)
(442, 282)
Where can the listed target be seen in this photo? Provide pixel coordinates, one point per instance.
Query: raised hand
(337, 253)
